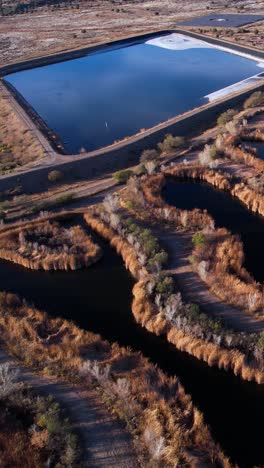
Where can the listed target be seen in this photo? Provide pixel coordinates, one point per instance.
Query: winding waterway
(227, 212)
(99, 299)
(256, 146)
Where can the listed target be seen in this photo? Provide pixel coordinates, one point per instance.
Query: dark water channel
(256, 146)
(99, 298)
(227, 212)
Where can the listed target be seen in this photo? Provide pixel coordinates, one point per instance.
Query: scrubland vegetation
(255, 100)
(159, 307)
(21, 148)
(143, 197)
(33, 429)
(162, 419)
(171, 144)
(219, 259)
(47, 245)
(218, 256)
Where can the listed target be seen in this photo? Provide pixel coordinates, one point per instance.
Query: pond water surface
(107, 95)
(99, 298)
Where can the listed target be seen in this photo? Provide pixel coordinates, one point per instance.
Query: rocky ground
(46, 30)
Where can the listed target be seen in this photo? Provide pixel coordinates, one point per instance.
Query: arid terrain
(48, 30)
(132, 381)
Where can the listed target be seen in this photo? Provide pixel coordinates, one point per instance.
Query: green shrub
(151, 246)
(55, 176)
(140, 170)
(164, 285)
(226, 117)
(62, 199)
(122, 176)
(198, 239)
(256, 99)
(149, 155)
(160, 257)
(260, 342)
(171, 143)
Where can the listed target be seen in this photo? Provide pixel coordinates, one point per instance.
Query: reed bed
(165, 425)
(45, 245)
(221, 251)
(157, 320)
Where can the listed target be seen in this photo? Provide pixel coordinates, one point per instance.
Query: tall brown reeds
(148, 314)
(47, 245)
(158, 413)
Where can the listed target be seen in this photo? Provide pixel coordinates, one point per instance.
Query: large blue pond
(95, 100)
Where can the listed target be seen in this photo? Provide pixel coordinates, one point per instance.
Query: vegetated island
(165, 425)
(157, 303)
(49, 246)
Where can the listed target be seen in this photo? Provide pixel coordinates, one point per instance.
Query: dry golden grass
(154, 406)
(149, 316)
(24, 149)
(152, 206)
(47, 245)
(226, 276)
(224, 252)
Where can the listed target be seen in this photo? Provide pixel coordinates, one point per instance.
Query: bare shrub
(111, 203)
(255, 100)
(8, 379)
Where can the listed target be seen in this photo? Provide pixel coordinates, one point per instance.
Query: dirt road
(105, 442)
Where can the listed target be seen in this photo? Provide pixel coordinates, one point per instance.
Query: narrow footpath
(193, 289)
(105, 442)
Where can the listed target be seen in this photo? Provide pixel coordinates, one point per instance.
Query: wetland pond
(112, 93)
(99, 299)
(227, 211)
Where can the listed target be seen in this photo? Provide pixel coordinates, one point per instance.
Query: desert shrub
(55, 176)
(171, 143)
(261, 341)
(256, 99)
(164, 285)
(37, 429)
(63, 199)
(198, 239)
(226, 117)
(149, 155)
(208, 155)
(122, 176)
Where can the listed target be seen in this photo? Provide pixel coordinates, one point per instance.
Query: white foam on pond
(233, 88)
(178, 42)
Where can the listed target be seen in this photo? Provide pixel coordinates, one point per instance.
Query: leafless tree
(8, 378)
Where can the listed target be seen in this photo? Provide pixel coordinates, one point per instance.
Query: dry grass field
(18, 146)
(50, 29)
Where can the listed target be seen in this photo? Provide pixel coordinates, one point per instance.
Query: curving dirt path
(193, 289)
(105, 442)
